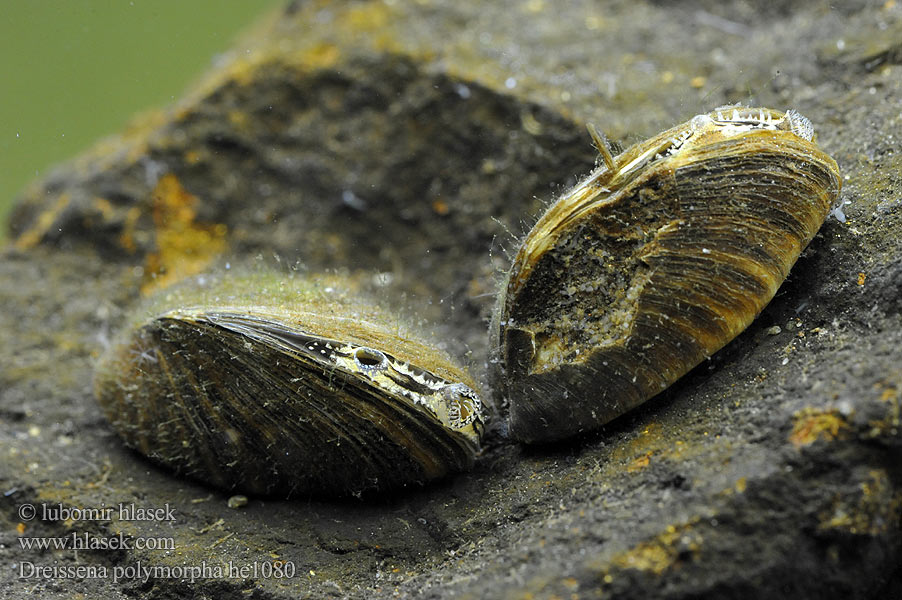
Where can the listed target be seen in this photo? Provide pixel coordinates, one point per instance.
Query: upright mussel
(654, 262)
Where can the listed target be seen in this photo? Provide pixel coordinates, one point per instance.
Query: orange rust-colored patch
(440, 207)
(32, 236)
(322, 56)
(104, 207)
(639, 462)
(184, 247)
(571, 583)
(891, 423)
(811, 424)
(129, 226)
(861, 278)
(663, 552)
(238, 119)
(653, 440)
(136, 135)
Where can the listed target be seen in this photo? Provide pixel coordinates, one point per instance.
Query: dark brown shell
(287, 387)
(655, 262)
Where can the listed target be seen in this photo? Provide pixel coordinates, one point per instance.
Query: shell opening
(464, 405)
(368, 359)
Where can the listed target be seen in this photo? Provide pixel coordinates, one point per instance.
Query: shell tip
(601, 144)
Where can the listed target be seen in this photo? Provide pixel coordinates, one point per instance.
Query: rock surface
(413, 142)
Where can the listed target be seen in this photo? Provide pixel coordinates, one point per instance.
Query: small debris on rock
(237, 501)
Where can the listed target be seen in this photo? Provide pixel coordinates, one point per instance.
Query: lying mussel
(287, 386)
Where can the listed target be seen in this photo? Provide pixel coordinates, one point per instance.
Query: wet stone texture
(412, 144)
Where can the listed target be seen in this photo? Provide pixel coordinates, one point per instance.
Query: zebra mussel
(287, 386)
(652, 263)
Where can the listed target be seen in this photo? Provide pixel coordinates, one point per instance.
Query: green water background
(72, 72)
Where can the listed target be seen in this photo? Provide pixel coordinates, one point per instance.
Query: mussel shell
(642, 271)
(290, 387)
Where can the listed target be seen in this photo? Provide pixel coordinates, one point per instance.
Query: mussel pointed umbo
(653, 263)
(287, 386)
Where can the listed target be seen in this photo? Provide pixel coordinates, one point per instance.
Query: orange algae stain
(138, 131)
(242, 70)
(104, 207)
(32, 236)
(306, 58)
(238, 119)
(653, 441)
(861, 277)
(129, 228)
(891, 423)
(874, 510)
(184, 247)
(322, 55)
(811, 424)
(440, 207)
(640, 462)
(245, 70)
(667, 550)
(238, 68)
